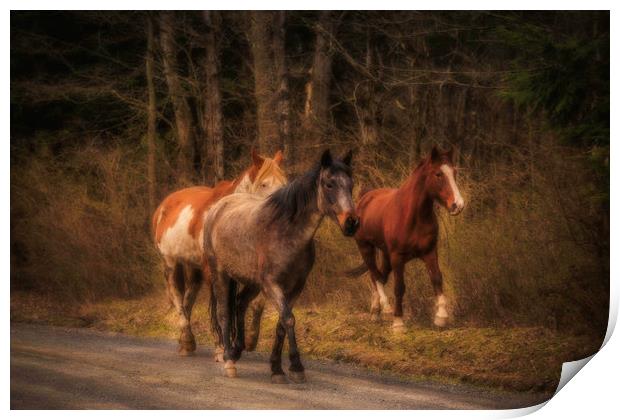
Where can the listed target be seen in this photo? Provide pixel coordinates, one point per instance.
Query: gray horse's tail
(232, 311)
(215, 325)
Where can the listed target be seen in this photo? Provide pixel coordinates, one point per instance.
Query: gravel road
(67, 368)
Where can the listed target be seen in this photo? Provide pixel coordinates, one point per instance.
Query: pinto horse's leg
(256, 308)
(432, 265)
(244, 298)
(175, 278)
(398, 265)
(187, 342)
(222, 288)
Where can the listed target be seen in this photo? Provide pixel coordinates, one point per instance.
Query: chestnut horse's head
(264, 176)
(441, 181)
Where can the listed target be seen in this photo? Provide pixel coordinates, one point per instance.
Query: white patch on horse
(449, 173)
(441, 307)
(383, 299)
(177, 244)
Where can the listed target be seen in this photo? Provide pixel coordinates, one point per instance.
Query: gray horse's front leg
(286, 326)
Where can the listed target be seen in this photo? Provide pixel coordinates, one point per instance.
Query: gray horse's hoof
(279, 379)
(297, 377)
(375, 316)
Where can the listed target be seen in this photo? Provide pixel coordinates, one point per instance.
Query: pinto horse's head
(441, 181)
(264, 176)
(335, 192)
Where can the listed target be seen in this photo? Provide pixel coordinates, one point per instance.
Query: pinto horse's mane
(270, 168)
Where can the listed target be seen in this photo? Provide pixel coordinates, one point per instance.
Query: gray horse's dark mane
(293, 200)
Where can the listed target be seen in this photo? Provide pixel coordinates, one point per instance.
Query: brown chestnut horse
(402, 225)
(177, 228)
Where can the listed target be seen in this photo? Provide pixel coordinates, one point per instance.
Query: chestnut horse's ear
(434, 154)
(326, 159)
(257, 159)
(278, 157)
(346, 159)
(450, 153)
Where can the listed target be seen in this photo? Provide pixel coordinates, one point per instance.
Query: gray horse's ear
(346, 159)
(326, 159)
(434, 154)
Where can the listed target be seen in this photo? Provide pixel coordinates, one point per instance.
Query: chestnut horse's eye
(439, 174)
(329, 185)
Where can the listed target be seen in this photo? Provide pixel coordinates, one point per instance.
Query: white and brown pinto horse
(178, 231)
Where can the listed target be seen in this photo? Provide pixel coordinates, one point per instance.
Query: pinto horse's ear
(346, 159)
(326, 159)
(434, 154)
(257, 159)
(278, 157)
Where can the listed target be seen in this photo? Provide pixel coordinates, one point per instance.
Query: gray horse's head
(335, 188)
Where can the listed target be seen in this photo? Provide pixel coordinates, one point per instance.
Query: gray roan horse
(267, 244)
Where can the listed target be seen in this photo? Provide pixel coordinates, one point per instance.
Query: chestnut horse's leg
(377, 280)
(385, 270)
(244, 298)
(398, 265)
(256, 309)
(193, 284)
(432, 265)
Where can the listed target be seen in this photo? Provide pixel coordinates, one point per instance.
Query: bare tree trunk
(214, 146)
(182, 114)
(282, 89)
(316, 109)
(152, 115)
(366, 104)
(264, 81)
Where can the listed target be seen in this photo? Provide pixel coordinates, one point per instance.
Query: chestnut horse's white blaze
(459, 203)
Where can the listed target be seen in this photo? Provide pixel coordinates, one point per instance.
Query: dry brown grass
(530, 249)
(79, 225)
